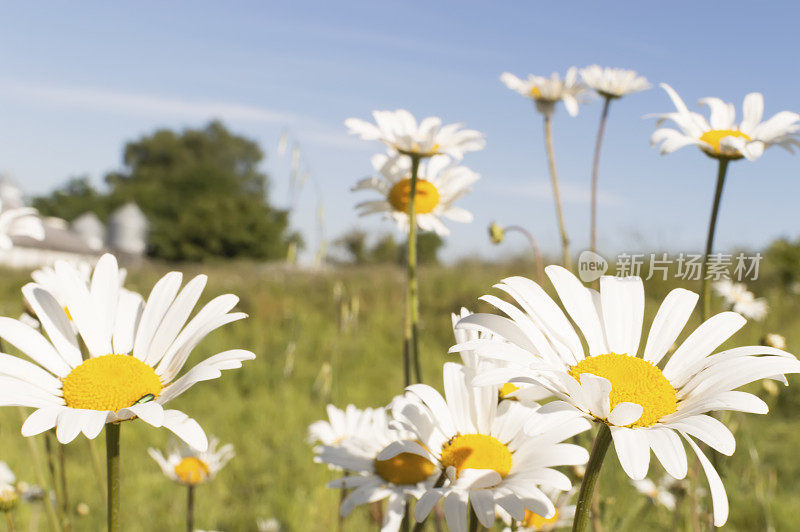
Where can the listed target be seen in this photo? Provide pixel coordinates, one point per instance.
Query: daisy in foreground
(372, 479)
(741, 300)
(639, 399)
(439, 184)
(123, 365)
(492, 455)
(190, 467)
(399, 131)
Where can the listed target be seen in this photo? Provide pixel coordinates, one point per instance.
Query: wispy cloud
(135, 104)
(542, 190)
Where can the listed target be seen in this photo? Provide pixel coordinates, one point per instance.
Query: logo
(591, 266)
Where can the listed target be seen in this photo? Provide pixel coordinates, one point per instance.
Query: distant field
(264, 408)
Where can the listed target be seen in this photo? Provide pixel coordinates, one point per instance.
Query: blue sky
(78, 80)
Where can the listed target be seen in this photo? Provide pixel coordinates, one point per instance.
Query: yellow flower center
(507, 389)
(425, 199)
(633, 380)
(405, 468)
(536, 521)
(536, 93)
(110, 382)
(191, 470)
(476, 451)
(715, 136)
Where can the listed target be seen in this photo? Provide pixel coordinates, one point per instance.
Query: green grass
(264, 409)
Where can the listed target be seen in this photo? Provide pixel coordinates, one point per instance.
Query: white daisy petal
(625, 414)
(633, 451)
(718, 495)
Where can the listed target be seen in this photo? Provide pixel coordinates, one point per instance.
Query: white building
(127, 230)
(89, 227)
(84, 240)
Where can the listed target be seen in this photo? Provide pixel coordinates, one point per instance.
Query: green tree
(354, 243)
(386, 250)
(76, 197)
(202, 192)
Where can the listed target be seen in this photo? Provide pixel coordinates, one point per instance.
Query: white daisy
(613, 82)
(658, 493)
(399, 130)
(342, 425)
(134, 352)
(47, 278)
(488, 459)
(721, 137)
(565, 512)
(524, 392)
(615, 382)
(439, 184)
(372, 479)
(741, 300)
(547, 92)
(187, 466)
(19, 221)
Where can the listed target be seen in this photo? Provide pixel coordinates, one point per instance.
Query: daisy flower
(47, 278)
(618, 384)
(741, 300)
(439, 184)
(721, 137)
(524, 392)
(493, 454)
(396, 478)
(187, 466)
(536, 523)
(547, 92)
(134, 352)
(399, 130)
(19, 221)
(613, 82)
(341, 426)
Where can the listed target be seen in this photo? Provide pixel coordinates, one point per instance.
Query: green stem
(705, 293)
(595, 169)
(413, 283)
(10, 519)
(112, 469)
(551, 161)
(582, 511)
(190, 509)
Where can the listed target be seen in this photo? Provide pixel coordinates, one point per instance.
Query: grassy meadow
(299, 321)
